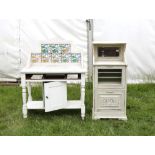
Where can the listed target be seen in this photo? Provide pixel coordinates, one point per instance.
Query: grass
(140, 112)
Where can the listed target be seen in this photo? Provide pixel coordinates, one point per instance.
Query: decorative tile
(36, 57)
(56, 58)
(65, 58)
(45, 58)
(75, 57)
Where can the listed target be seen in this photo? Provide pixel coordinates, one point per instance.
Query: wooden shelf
(109, 77)
(109, 72)
(35, 105)
(71, 104)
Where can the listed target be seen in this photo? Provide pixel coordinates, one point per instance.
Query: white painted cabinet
(55, 96)
(109, 86)
(55, 67)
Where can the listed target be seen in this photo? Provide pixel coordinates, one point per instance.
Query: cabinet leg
(83, 96)
(29, 91)
(83, 112)
(24, 96)
(24, 111)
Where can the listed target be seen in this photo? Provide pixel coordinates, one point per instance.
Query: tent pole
(89, 47)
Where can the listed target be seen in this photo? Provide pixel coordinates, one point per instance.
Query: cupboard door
(55, 96)
(109, 99)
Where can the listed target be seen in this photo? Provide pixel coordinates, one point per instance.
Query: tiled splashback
(56, 58)
(56, 53)
(55, 48)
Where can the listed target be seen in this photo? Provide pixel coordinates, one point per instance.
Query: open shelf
(113, 76)
(71, 104)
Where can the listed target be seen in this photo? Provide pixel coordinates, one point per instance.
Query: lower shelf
(35, 105)
(72, 104)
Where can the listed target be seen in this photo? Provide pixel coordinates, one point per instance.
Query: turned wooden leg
(23, 81)
(82, 96)
(29, 91)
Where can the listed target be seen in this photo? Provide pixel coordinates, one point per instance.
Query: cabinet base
(123, 118)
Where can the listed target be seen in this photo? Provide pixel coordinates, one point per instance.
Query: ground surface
(140, 112)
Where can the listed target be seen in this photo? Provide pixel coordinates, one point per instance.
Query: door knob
(47, 97)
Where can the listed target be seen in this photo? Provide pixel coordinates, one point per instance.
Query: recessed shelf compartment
(53, 76)
(110, 76)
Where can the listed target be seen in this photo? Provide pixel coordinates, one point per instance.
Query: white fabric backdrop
(140, 38)
(9, 50)
(20, 37)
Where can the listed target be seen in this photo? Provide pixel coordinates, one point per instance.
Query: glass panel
(107, 76)
(108, 51)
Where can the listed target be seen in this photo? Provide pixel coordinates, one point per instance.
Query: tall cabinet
(109, 80)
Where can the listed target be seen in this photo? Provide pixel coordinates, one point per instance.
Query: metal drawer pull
(109, 92)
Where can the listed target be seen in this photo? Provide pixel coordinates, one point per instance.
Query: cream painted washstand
(109, 86)
(54, 72)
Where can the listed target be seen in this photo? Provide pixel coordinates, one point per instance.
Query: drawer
(110, 77)
(109, 99)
